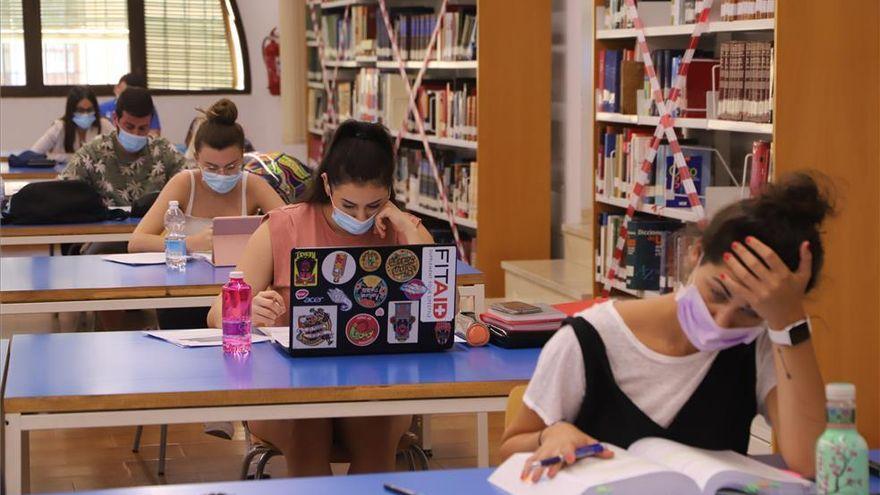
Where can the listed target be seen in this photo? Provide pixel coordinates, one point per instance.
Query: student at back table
(80, 124)
(350, 202)
(108, 108)
(218, 187)
(127, 163)
(698, 365)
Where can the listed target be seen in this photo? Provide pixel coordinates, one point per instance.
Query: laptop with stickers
(372, 300)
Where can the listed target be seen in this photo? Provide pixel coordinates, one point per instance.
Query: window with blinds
(192, 45)
(12, 65)
(84, 41)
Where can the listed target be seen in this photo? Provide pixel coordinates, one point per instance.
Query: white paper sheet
(198, 337)
(136, 258)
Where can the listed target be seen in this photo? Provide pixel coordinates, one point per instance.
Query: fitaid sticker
(338, 267)
(438, 274)
(370, 260)
(362, 330)
(402, 322)
(305, 269)
(402, 265)
(370, 291)
(314, 327)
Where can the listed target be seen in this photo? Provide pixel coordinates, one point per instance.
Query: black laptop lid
(372, 300)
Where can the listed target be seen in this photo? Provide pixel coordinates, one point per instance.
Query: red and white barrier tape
(414, 110)
(330, 116)
(664, 128)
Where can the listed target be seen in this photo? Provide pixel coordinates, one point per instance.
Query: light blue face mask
(130, 142)
(84, 120)
(351, 224)
(221, 184)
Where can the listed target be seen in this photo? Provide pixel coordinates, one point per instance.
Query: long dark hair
(219, 130)
(358, 152)
(786, 213)
(76, 94)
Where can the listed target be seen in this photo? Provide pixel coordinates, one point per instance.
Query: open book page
(624, 473)
(277, 334)
(713, 470)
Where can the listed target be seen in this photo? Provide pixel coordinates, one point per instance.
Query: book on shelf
(760, 172)
(745, 84)
(617, 15)
(684, 11)
(316, 108)
(740, 10)
(314, 72)
(351, 38)
(413, 26)
(414, 181)
(645, 245)
(699, 164)
(651, 463)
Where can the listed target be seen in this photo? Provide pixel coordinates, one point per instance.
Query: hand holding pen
(561, 444)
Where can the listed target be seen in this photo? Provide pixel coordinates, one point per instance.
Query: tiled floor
(66, 460)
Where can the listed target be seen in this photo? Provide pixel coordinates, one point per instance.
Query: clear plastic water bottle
(236, 315)
(175, 238)
(841, 453)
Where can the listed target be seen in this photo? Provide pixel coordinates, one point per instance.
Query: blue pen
(579, 453)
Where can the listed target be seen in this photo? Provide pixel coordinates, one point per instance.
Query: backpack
(59, 201)
(287, 175)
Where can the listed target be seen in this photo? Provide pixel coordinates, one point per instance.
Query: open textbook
(656, 466)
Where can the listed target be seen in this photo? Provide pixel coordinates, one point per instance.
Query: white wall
(23, 120)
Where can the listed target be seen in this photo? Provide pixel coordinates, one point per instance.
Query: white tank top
(194, 225)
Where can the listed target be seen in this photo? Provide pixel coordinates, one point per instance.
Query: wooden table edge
(62, 230)
(261, 397)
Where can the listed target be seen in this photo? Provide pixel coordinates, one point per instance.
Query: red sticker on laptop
(362, 330)
(370, 291)
(301, 294)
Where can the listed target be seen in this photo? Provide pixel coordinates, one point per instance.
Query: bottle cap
(173, 202)
(236, 275)
(840, 391)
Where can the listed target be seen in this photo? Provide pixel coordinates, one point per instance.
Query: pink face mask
(700, 328)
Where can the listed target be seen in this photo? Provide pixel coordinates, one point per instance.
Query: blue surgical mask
(84, 120)
(351, 224)
(221, 184)
(130, 142)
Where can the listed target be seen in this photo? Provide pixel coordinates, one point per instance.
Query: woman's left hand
(765, 282)
(391, 215)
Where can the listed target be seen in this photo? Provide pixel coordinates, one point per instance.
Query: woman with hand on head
(698, 365)
(80, 124)
(350, 202)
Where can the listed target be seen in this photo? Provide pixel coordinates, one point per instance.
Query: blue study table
(51, 235)
(29, 173)
(82, 380)
(55, 284)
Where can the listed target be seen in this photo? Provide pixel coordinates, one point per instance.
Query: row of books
(416, 186)
(621, 154)
(738, 10)
(624, 87)
(457, 38)
(746, 86)
(656, 253)
(347, 39)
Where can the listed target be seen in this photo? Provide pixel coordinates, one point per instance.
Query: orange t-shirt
(304, 225)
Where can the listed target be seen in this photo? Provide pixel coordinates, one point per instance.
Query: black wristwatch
(791, 335)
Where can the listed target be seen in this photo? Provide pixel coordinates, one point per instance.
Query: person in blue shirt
(108, 108)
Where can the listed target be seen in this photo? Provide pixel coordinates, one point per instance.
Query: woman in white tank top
(218, 187)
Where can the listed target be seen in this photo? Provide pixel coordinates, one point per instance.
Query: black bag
(59, 201)
(519, 339)
(31, 159)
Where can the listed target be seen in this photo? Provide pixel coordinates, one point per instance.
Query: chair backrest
(514, 404)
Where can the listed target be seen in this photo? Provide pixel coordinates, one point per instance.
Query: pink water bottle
(236, 315)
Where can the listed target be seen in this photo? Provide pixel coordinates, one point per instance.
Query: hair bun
(798, 198)
(222, 112)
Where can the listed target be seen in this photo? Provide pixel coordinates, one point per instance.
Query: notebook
(372, 300)
(656, 466)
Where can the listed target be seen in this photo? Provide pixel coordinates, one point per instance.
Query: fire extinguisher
(273, 63)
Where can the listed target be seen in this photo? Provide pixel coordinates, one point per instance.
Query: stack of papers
(198, 337)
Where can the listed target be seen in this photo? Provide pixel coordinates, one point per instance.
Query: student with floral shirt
(127, 163)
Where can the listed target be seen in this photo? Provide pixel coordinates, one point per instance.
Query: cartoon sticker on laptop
(314, 327)
(402, 265)
(305, 269)
(370, 291)
(370, 260)
(339, 297)
(403, 322)
(442, 332)
(338, 267)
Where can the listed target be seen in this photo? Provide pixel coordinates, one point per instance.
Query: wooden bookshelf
(513, 135)
(825, 118)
